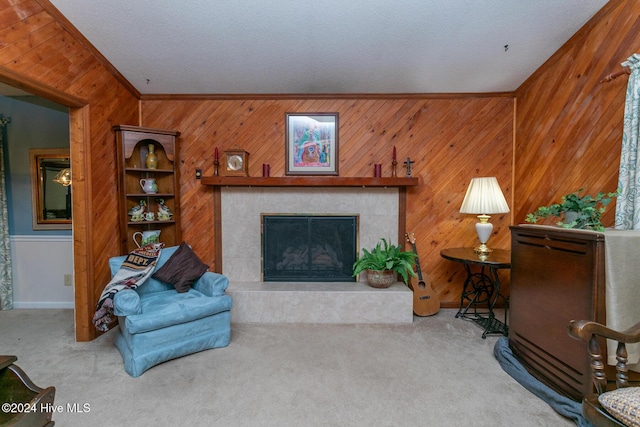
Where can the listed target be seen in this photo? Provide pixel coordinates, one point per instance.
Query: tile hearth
(319, 302)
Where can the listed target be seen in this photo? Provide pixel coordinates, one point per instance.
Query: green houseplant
(385, 260)
(576, 211)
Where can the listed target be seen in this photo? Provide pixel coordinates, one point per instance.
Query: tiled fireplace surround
(305, 302)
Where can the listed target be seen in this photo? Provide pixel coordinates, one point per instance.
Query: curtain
(6, 281)
(628, 201)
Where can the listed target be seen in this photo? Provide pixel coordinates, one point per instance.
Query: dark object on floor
(616, 407)
(561, 404)
(23, 402)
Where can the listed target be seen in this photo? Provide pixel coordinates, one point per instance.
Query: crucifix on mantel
(408, 165)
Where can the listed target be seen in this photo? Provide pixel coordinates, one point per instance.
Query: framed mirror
(50, 188)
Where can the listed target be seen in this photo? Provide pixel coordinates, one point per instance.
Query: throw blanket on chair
(135, 269)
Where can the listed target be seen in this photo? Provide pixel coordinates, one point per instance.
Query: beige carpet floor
(437, 371)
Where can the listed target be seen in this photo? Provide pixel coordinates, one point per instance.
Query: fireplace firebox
(309, 248)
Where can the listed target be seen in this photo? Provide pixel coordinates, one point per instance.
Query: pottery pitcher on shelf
(148, 236)
(149, 185)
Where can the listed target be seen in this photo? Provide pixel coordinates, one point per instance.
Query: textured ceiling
(327, 46)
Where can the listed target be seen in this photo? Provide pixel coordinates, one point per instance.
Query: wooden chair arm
(584, 329)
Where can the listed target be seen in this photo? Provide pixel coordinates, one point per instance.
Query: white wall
(39, 266)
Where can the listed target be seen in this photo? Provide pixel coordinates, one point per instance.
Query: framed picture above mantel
(311, 144)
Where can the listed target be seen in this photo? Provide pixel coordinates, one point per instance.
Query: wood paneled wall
(567, 128)
(451, 140)
(569, 124)
(42, 53)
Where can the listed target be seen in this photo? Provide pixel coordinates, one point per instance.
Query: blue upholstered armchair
(158, 323)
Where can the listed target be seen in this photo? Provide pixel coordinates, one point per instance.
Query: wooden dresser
(557, 275)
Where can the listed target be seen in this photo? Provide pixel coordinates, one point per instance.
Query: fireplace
(308, 248)
(242, 209)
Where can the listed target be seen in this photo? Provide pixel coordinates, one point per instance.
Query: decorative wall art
(311, 144)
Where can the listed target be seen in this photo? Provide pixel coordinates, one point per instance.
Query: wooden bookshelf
(132, 144)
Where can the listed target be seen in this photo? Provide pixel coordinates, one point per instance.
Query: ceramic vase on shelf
(152, 159)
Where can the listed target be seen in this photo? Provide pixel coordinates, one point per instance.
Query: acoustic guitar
(425, 300)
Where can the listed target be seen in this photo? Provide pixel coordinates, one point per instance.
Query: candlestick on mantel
(215, 162)
(394, 163)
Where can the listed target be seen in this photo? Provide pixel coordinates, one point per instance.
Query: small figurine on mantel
(164, 212)
(137, 212)
(408, 165)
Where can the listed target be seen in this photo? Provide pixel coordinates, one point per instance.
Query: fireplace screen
(308, 248)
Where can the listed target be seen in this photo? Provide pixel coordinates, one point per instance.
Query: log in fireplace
(308, 248)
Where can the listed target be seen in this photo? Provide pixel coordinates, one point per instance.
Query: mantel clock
(236, 162)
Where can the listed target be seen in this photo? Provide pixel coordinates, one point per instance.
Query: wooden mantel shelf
(307, 181)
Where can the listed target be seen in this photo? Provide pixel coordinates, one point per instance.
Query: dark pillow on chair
(182, 269)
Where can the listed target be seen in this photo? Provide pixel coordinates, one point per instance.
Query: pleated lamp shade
(484, 197)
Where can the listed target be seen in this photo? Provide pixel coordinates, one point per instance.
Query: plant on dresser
(148, 184)
(576, 211)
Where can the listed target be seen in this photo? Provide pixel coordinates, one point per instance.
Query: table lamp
(484, 197)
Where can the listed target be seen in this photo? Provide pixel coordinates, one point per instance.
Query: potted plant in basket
(576, 211)
(383, 262)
